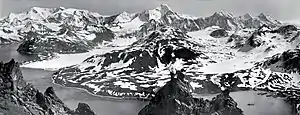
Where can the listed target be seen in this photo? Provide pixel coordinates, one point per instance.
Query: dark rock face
(286, 29)
(139, 61)
(36, 46)
(175, 98)
(84, 109)
(71, 42)
(254, 40)
(20, 98)
(219, 33)
(288, 61)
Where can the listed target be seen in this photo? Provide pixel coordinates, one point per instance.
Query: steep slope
(175, 98)
(45, 21)
(45, 31)
(20, 98)
(164, 15)
(278, 74)
(228, 21)
(138, 69)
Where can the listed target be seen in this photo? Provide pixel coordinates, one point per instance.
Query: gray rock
(219, 33)
(20, 98)
(175, 98)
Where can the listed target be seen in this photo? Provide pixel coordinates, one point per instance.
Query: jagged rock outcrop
(286, 29)
(287, 61)
(248, 39)
(84, 109)
(255, 39)
(219, 33)
(20, 98)
(175, 98)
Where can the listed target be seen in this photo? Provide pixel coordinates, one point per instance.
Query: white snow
(65, 60)
(123, 17)
(127, 85)
(52, 26)
(128, 27)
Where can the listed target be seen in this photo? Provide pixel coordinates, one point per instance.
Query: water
(41, 79)
(10, 51)
(259, 104)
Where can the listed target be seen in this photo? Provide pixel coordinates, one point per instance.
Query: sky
(278, 9)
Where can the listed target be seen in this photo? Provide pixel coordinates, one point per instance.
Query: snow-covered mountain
(45, 31)
(164, 15)
(218, 52)
(139, 69)
(136, 70)
(74, 26)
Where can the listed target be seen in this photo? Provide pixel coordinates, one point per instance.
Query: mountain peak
(123, 17)
(223, 13)
(264, 16)
(247, 16)
(164, 8)
(267, 18)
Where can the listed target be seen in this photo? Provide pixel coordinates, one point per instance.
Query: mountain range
(215, 53)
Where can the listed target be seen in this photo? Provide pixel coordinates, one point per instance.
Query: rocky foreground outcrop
(20, 98)
(175, 98)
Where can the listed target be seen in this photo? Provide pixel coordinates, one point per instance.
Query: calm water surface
(41, 79)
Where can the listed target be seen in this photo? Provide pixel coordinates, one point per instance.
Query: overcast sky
(278, 9)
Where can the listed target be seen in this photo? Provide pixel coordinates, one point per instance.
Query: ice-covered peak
(11, 16)
(123, 17)
(164, 8)
(247, 16)
(223, 14)
(38, 13)
(38, 9)
(61, 8)
(264, 17)
(162, 11)
(58, 9)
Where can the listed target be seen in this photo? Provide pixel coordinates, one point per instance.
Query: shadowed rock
(84, 109)
(20, 98)
(219, 33)
(175, 98)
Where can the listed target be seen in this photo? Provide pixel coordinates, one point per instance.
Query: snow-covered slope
(45, 31)
(138, 69)
(217, 52)
(164, 15)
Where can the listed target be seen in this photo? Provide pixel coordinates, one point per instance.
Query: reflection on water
(248, 101)
(41, 79)
(10, 51)
(253, 104)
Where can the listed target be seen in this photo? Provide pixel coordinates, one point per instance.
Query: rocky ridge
(136, 70)
(175, 98)
(20, 98)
